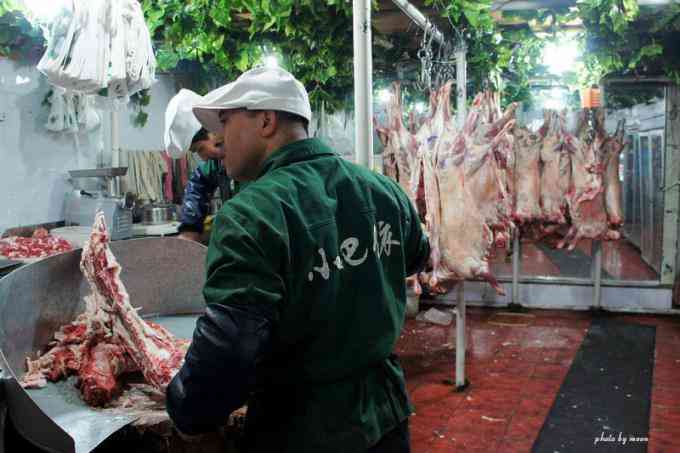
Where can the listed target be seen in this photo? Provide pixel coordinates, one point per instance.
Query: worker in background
(181, 125)
(208, 177)
(305, 286)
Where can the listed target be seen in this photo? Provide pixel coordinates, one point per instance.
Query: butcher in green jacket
(305, 286)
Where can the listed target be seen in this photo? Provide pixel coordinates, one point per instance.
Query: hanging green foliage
(621, 38)
(511, 54)
(139, 101)
(311, 38)
(212, 41)
(19, 39)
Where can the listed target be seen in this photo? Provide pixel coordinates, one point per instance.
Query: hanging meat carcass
(437, 130)
(388, 156)
(470, 192)
(109, 338)
(489, 149)
(612, 183)
(527, 150)
(402, 144)
(555, 169)
(586, 193)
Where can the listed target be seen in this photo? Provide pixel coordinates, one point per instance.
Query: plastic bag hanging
(100, 44)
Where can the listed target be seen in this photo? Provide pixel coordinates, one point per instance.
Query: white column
(115, 149)
(363, 83)
(597, 273)
(460, 336)
(515, 267)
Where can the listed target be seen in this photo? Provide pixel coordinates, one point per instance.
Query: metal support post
(515, 267)
(115, 149)
(363, 83)
(461, 85)
(597, 274)
(461, 382)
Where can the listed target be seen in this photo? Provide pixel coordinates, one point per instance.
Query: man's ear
(270, 123)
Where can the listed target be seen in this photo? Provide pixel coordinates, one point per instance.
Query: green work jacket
(325, 245)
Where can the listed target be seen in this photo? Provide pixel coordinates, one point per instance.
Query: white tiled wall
(34, 161)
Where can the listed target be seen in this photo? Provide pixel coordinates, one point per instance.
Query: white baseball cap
(261, 88)
(180, 123)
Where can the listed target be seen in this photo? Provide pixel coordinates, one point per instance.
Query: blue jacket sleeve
(219, 369)
(199, 190)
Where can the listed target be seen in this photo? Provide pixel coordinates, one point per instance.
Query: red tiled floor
(523, 428)
(550, 371)
(497, 403)
(666, 419)
(622, 260)
(535, 407)
(535, 262)
(663, 396)
(515, 373)
(663, 442)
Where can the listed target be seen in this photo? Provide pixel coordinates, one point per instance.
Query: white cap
(261, 88)
(180, 123)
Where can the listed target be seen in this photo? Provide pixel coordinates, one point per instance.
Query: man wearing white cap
(305, 286)
(184, 132)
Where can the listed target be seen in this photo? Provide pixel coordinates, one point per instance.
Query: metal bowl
(157, 214)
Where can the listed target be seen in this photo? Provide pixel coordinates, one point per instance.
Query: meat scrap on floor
(473, 186)
(109, 338)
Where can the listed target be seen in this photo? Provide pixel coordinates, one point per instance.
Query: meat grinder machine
(164, 277)
(81, 205)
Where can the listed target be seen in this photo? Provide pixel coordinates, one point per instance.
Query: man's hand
(190, 236)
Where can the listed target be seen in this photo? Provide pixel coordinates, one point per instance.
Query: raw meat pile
(109, 339)
(474, 186)
(40, 245)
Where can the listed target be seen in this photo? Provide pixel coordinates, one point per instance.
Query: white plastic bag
(100, 44)
(55, 120)
(88, 118)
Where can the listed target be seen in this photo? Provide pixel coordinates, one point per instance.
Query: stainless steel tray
(164, 277)
(5, 263)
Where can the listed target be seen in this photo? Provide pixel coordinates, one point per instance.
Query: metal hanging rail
(419, 18)
(423, 22)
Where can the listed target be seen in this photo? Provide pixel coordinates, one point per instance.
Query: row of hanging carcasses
(473, 185)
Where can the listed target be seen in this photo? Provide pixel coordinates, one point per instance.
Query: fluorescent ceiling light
(561, 56)
(271, 61)
(384, 95)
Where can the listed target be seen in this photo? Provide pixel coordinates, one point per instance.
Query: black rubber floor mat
(572, 263)
(604, 402)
